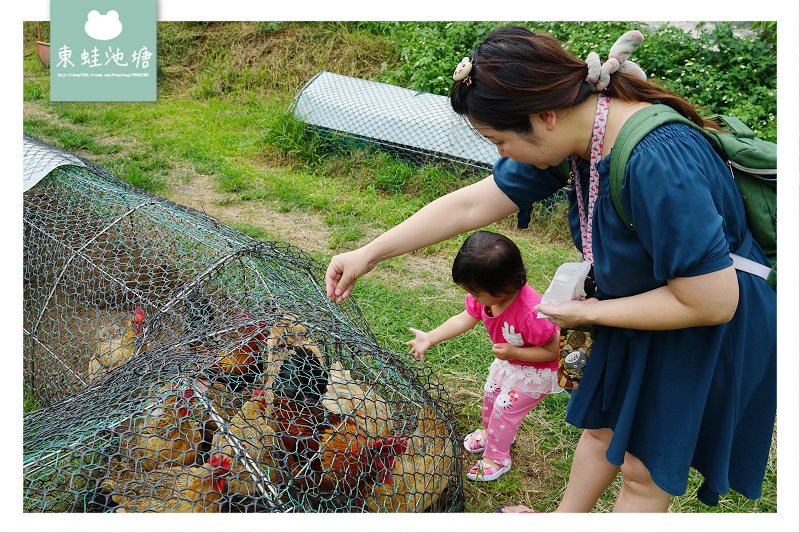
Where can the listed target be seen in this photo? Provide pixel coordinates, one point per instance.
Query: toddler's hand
(503, 351)
(419, 345)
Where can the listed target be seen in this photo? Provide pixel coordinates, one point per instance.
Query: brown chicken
(223, 400)
(252, 447)
(115, 346)
(173, 433)
(331, 452)
(337, 448)
(241, 359)
(287, 330)
(421, 473)
(346, 396)
(349, 459)
(170, 489)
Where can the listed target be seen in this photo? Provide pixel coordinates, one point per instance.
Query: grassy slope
(210, 142)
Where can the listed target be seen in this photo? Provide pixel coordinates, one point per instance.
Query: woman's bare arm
(468, 208)
(703, 300)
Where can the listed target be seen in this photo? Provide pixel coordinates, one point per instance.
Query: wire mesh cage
(416, 126)
(421, 128)
(178, 365)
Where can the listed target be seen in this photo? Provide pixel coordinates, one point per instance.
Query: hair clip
(600, 74)
(462, 71)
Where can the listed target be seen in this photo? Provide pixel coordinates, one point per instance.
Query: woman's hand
(568, 314)
(419, 344)
(343, 271)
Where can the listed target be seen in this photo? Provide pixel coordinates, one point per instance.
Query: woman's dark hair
(489, 262)
(516, 73)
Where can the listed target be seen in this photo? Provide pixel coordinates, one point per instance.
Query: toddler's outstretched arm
(452, 327)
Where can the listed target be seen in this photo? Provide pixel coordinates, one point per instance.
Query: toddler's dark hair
(489, 262)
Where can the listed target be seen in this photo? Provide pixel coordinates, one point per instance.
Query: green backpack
(753, 163)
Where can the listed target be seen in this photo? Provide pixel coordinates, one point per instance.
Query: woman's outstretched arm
(468, 208)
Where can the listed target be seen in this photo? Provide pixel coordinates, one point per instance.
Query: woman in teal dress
(683, 369)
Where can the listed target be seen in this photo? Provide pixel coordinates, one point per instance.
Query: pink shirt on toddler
(517, 324)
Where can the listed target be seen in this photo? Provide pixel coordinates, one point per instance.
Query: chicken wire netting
(415, 126)
(178, 365)
(347, 113)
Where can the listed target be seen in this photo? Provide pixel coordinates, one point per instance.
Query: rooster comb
(220, 461)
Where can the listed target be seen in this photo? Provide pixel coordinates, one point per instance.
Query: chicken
(349, 459)
(297, 415)
(333, 429)
(331, 451)
(223, 400)
(420, 475)
(235, 353)
(241, 358)
(288, 331)
(346, 396)
(181, 489)
(115, 346)
(173, 433)
(253, 449)
(204, 492)
(301, 377)
(297, 426)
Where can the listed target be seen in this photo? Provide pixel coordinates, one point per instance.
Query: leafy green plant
(713, 68)
(767, 31)
(270, 27)
(426, 52)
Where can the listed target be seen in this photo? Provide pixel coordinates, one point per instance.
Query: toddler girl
(489, 267)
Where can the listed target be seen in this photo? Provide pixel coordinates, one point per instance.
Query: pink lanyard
(585, 214)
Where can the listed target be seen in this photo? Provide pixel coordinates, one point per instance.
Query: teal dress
(702, 397)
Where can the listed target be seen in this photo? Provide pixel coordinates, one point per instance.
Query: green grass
(221, 114)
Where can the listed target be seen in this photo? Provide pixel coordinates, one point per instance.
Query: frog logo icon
(102, 27)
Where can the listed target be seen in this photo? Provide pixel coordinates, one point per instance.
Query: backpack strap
(754, 158)
(751, 267)
(734, 125)
(634, 130)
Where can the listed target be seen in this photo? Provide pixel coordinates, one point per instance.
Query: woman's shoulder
(668, 148)
(672, 136)
(668, 136)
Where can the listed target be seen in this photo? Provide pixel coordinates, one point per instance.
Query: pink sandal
(483, 472)
(475, 442)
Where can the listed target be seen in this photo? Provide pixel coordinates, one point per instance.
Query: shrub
(715, 69)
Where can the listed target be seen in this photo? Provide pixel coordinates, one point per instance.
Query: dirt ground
(306, 231)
